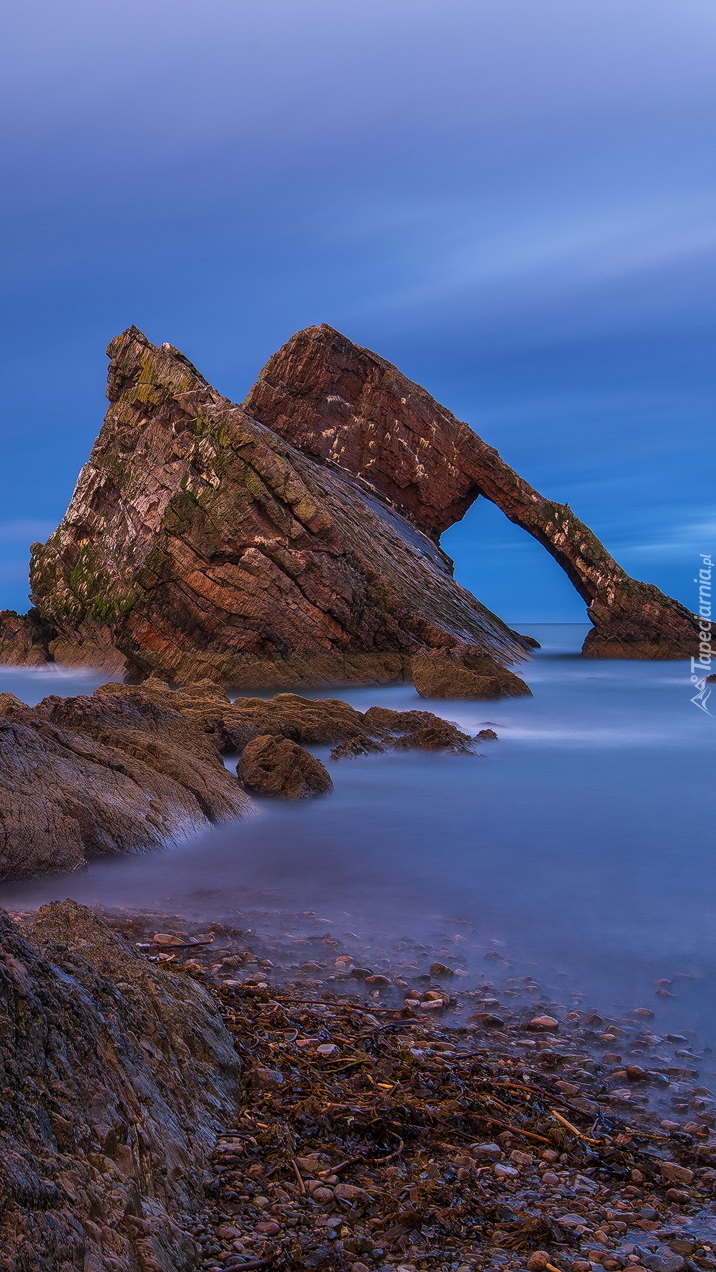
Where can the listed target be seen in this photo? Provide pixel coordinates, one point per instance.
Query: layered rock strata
(199, 543)
(90, 776)
(353, 410)
(116, 1078)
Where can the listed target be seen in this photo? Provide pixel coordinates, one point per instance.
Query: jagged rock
(352, 409)
(440, 736)
(384, 718)
(361, 744)
(280, 768)
(446, 676)
(24, 638)
(88, 776)
(198, 543)
(10, 704)
(486, 735)
(116, 1078)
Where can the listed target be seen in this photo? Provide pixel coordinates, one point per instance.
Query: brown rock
(280, 768)
(198, 543)
(486, 735)
(455, 675)
(676, 1174)
(116, 1078)
(434, 737)
(352, 409)
(385, 720)
(82, 777)
(359, 745)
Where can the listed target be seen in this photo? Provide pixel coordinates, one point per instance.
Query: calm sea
(581, 844)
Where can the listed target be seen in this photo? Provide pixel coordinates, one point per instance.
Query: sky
(513, 200)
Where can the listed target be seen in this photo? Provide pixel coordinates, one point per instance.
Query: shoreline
(454, 1132)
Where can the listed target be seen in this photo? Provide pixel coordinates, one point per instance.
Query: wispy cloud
(677, 540)
(25, 530)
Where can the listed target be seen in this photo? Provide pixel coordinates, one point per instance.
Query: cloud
(25, 530)
(691, 537)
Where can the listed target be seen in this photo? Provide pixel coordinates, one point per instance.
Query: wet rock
(116, 1079)
(448, 675)
(281, 769)
(362, 744)
(435, 737)
(543, 1023)
(676, 1174)
(82, 777)
(441, 969)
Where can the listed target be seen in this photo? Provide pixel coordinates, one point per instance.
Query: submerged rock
(116, 1079)
(280, 768)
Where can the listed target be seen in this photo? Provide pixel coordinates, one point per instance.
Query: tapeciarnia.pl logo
(701, 666)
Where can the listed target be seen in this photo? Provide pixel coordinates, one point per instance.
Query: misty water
(580, 844)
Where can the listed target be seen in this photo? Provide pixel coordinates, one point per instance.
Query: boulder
(89, 776)
(117, 1077)
(279, 768)
(459, 676)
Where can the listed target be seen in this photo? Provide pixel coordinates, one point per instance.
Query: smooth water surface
(583, 838)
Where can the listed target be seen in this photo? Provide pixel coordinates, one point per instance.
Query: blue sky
(511, 199)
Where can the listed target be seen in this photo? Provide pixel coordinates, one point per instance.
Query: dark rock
(486, 735)
(352, 409)
(434, 737)
(116, 1078)
(81, 777)
(199, 543)
(280, 768)
(441, 969)
(359, 745)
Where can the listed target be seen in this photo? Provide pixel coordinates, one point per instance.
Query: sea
(579, 846)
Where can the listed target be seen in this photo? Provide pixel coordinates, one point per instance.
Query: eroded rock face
(90, 776)
(350, 408)
(199, 543)
(116, 1078)
(281, 769)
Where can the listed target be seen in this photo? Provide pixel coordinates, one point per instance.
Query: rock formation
(84, 777)
(351, 409)
(282, 769)
(248, 725)
(116, 1079)
(199, 543)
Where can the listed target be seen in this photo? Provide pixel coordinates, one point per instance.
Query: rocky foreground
(295, 539)
(129, 768)
(394, 1111)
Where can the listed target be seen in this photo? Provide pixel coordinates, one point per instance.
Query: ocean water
(580, 844)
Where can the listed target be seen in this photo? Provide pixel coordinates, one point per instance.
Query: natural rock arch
(348, 406)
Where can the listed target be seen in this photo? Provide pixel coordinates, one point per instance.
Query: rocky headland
(295, 539)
